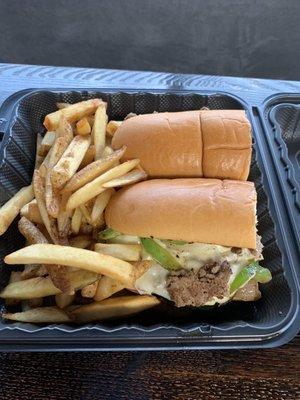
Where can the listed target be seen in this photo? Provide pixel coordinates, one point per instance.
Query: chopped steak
(196, 288)
(249, 292)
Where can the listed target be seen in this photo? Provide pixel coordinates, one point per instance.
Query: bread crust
(194, 210)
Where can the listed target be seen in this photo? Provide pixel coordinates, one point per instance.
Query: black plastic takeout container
(271, 321)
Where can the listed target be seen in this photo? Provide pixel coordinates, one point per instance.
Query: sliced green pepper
(253, 270)
(108, 233)
(176, 242)
(160, 254)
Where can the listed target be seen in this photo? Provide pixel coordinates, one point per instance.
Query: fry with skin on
(47, 142)
(88, 157)
(15, 276)
(43, 286)
(44, 165)
(70, 161)
(121, 306)
(40, 315)
(85, 213)
(127, 179)
(31, 212)
(74, 257)
(100, 204)
(64, 217)
(72, 113)
(89, 290)
(99, 129)
(112, 126)
(64, 300)
(64, 129)
(107, 287)
(83, 127)
(11, 209)
(93, 170)
(94, 187)
(33, 271)
(76, 220)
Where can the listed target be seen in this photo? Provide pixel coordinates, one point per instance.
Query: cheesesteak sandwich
(198, 236)
(201, 143)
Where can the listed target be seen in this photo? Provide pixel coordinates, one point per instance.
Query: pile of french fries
(62, 212)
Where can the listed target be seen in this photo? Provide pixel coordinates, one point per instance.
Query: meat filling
(196, 288)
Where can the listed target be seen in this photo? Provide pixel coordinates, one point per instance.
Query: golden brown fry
(31, 212)
(11, 209)
(83, 127)
(64, 217)
(100, 204)
(72, 113)
(62, 105)
(15, 276)
(126, 252)
(33, 271)
(94, 187)
(81, 241)
(89, 290)
(127, 179)
(88, 157)
(99, 129)
(74, 257)
(48, 221)
(64, 129)
(76, 220)
(42, 287)
(107, 287)
(47, 142)
(32, 234)
(70, 161)
(93, 170)
(64, 300)
(111, 127)
(115, 307)
(40, 315)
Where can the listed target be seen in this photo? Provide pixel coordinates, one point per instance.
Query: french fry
(32, 234)
(38, 159)
(99, 129)
(126, 252)
(51, 195)
(127, 179)
(15, 276)
(33, 271)
(85, 213)
(46, 143)
(107, 287)
(99, 206)
(81, 241)
(42, 287)
(94, 187)
(48, 221)
(62, 105)
(76, 220)
(88, 157)
(111, 127)
(11, 209)
(91, 119)
(73, 257)
(73, 113)
(121, 306)
(89, 290)
(31, 212)
(64, 217)
(107, 151)
(93, 170)
(44, 165)
(130, 115)
(83, 127)
(64, 300)
(64, 129)
(40, 315)
(70, 161)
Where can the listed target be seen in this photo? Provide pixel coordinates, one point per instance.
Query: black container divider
(271, 321)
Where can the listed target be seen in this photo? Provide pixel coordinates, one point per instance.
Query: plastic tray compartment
(269, 322)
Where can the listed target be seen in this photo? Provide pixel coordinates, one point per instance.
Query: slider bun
(201, 143)
(194, 210)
